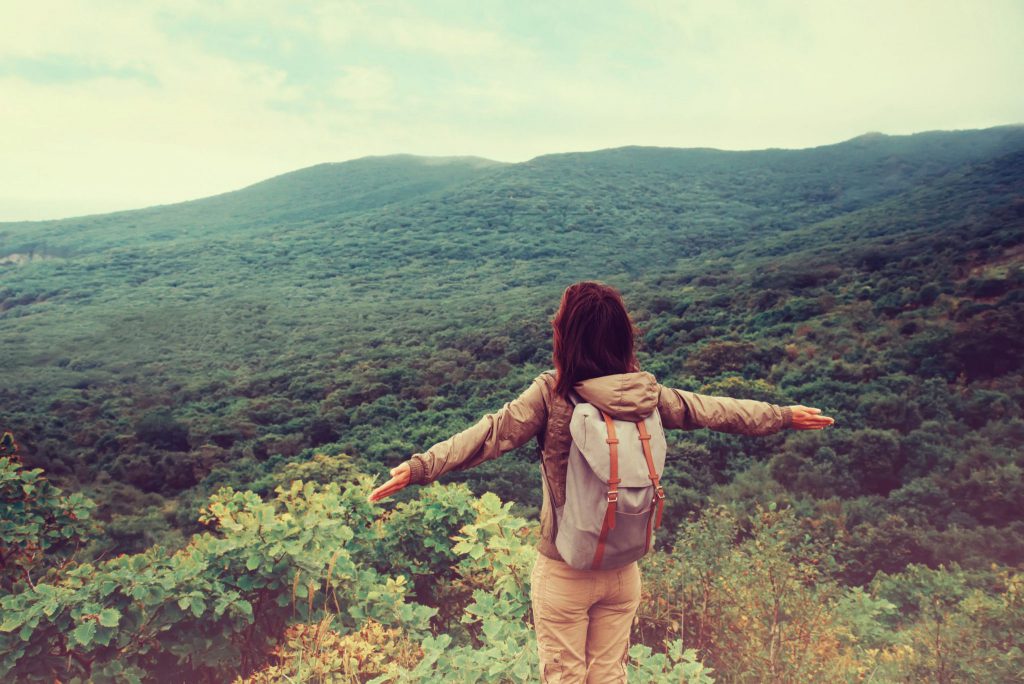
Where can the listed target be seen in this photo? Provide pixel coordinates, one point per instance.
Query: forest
(200, 396)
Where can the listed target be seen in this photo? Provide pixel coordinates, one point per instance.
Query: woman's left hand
(399, 479)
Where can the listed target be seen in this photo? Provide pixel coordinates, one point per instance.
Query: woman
(583, 617)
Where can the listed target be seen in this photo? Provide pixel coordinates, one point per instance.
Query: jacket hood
(625, 396)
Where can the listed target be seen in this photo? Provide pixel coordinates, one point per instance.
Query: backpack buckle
(613, 497)
(659, 492)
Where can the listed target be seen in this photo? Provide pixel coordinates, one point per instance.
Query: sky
(110, 105)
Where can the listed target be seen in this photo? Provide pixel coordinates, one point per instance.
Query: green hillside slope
(337, 319)
(404, 251)
(313, 194)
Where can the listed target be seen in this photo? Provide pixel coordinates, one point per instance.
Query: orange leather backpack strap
(613, 493)
(659, 491)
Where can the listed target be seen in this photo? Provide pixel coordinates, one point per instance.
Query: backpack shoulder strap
(659, 491)
(613, 494)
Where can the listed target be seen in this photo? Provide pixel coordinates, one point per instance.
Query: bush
(160, 429)
(40, 526)
(207, 611)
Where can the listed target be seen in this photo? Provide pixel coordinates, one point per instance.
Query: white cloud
(212, 124)
(445, 39)
(238, 91)
(365, 88)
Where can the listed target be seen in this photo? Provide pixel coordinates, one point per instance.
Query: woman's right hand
(399, 479)
(807, 418)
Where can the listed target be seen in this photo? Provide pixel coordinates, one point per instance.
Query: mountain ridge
(997, 135)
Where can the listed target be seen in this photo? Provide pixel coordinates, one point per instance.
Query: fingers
(387, 489)
(398, 481)
(401, 473)
(810, 418)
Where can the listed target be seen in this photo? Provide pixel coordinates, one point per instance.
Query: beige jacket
(539, 412)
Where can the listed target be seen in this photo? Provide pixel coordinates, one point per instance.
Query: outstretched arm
(688, 411)
(511, 426)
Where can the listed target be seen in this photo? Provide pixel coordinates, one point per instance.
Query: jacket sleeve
(511, 426)
(684, 410)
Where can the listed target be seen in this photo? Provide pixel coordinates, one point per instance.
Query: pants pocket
(551, 669)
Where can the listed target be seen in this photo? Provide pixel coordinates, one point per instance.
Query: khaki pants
(582, 619)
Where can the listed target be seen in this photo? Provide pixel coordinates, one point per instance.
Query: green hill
(307, 195)
(284, 287)
(336, 319)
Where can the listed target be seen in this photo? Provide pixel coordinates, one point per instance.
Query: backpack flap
(589, 434)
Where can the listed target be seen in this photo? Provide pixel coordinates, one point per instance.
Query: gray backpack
(613, 498)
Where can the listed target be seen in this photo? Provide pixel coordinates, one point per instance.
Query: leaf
(11, 623)
(253, 562)
(83, 633)
(104, 635)
(490, 502)
(198, 606)
(492, 628)
(110, 617)
(521, 670)
(244, 607)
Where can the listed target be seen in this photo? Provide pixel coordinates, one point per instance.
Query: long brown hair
(593, 335)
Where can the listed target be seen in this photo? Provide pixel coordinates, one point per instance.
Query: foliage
(955, 627)
(287, 590)
(210, 609)
(318, 653)
(40, 526)
(675, 665)
(757, 610)
(494, 569)
(160, 429)
(334, 321)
